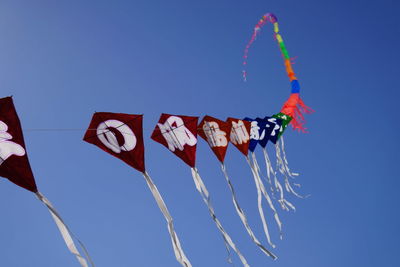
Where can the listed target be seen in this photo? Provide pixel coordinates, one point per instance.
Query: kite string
(66, 232)
(179, 253)
(201, 188)
(243, 217)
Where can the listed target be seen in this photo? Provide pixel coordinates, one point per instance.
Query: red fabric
(179, 135)
(15, 167)
(126, 129)
(243, 145)
(295, 107)
(216, 133)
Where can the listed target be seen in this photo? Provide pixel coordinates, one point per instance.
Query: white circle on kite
(108, 138)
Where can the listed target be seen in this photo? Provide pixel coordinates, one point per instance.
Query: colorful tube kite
(121, 135)
(294, 107)
(14, 165)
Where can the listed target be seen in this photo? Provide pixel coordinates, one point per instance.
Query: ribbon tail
(179, 253)
(255, 162)
(285, 205)
(200, 186)
(281, 166)
(243, 217)
(259, 203)
(285, 161)
(66, 233)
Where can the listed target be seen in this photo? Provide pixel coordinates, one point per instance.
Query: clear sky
(64, 60)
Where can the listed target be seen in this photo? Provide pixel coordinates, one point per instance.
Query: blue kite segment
(264, 131)
(295, 86)
(275, 124)
(254, 134)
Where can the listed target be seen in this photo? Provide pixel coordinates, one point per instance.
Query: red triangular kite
(217, 135)
(179, 135)
(240, 134)
(119, 134)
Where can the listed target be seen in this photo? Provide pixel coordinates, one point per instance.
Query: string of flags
(121, 135)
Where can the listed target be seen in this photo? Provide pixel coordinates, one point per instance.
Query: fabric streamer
(66, 232)
(285, 205)
(243, 217)
(261, 191)
(201, 188)
(121, 135)
(294, 106)
(179, 254)
(282, 166)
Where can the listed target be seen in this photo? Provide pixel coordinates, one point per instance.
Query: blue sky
(64, 60)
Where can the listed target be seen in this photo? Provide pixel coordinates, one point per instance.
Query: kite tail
(243, 217)
(285, 205)
(255, 162)
(269, 201)
(260, 192)
(201, 188)
(179, 254)
(295, 108)
(66, 233)
(283, 169)
(285, 161)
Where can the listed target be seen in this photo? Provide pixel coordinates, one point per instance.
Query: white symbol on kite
(215, 137)
(8, 148)
(108, 138)
(176, 134)
(239, 134)
(276, 127)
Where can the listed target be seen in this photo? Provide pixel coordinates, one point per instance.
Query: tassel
(295, 108)
(201, 188)
(179, 254)
(66, 233)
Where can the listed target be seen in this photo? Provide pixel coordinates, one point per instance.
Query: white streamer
(66, 233)
(257, 178)
(243, 217)
(179, 254)
(284, 170)
(200, 186)
(285, 205)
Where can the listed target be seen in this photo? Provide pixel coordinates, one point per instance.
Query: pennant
(119, 134)
(179, 135)
(14, 163)
(240, 134)
(216, 133)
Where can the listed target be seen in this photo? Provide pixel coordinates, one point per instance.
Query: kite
(14, 165)
(121, 135)
(179, 135)
(292, 111)
(217, 134)
(294, 107)
(242, 137)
